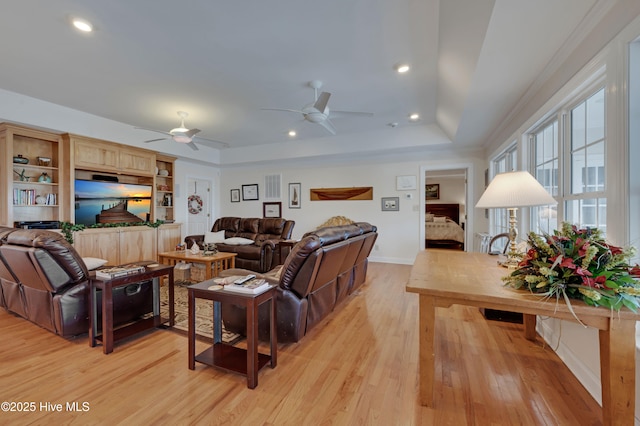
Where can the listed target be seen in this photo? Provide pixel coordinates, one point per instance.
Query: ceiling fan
(183, 135)
(318, 112)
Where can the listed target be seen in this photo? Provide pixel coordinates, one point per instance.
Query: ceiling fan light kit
(182, 134)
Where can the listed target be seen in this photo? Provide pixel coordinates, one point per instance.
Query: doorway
(445, 215)
(198, 206)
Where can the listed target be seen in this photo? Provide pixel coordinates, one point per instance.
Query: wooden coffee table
(214, 264)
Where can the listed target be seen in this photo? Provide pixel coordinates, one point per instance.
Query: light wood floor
(359, 367)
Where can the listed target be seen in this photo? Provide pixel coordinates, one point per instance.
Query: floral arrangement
(578, 264)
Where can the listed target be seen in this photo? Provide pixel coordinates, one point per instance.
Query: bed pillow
(214, 237)
(440, 219)
(429, 217)
(93, 262)
(238, 241)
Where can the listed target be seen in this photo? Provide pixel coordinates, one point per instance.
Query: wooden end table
(109, 335)
(214, 264)
(247, 362)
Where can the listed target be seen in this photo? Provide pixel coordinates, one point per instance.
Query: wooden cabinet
(137, 161)
(36, 190)
(169, 236)
(117, 245)
(163, 208)
(98, 155)
(128, 243)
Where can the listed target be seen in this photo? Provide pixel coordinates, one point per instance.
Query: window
(578, 136)
(585, 205)
(546, 165)
(505, 162)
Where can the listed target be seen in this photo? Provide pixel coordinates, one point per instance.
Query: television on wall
(111, 202)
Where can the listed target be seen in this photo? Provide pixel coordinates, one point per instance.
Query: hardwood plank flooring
(358, 367)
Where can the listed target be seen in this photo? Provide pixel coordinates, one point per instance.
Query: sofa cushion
(214, 237)
(238, 241)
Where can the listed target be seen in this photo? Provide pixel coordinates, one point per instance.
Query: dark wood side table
(109, 335)
(247, 362)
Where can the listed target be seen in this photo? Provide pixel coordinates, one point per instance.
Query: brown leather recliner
(321, 271)
(44, 279)
(263, 254)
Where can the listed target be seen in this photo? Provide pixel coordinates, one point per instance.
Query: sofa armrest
(190, 239)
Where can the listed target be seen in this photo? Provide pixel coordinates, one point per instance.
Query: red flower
(597, 282)
(635, 271)
(614, 250)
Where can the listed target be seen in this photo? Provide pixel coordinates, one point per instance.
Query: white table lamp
(511, 190)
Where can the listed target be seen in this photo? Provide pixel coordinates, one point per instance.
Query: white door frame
(469, 195)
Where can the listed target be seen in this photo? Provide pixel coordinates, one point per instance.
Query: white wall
(399, 232)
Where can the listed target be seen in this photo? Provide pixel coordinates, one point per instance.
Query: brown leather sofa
(263, 254)
(321, 271)
(44, 279)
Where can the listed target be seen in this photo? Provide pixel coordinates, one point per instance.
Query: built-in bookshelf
(163, 208)
(33, 186)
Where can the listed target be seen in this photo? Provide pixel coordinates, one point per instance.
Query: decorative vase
(44, 177)
(20, 159)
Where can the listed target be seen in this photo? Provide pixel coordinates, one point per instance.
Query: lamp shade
(514, 189)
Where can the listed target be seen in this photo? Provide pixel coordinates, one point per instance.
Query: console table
(109, 335)
(222, 355)
(443, 278)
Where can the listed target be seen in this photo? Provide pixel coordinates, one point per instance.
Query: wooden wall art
(353, 193)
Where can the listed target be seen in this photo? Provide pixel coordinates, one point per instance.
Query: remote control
(245, 279)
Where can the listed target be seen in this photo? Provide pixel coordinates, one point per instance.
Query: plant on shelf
(578, 264)
(69, 228)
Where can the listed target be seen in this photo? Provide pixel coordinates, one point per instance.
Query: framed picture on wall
(272, 209)
(235, 195)
(250, 192)
(432, 191)
(294, 195)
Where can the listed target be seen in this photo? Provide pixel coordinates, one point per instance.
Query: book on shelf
(119, 271)
(254, 286)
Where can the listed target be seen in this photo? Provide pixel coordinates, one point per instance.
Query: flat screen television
(111, 202)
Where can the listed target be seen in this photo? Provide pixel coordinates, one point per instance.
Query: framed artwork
(250, 192)
(406, 183)
(235, 195)
(294, 195)
(272, 209)
(432, 191)
(390, 204)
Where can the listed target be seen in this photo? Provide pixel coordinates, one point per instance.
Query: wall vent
(272, 187)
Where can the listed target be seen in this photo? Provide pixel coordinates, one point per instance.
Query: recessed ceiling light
(292, 133)
(414, 117)
(82, 25)
(402, 68)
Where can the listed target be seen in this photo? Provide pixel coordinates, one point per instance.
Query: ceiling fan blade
(211, 142)
(321, 102)
(155, 140)
(283, 109)
(338, 114)
(193, 146)
(153, 130)
(328, 125)
(192, 132)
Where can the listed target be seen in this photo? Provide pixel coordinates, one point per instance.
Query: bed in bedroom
(442, 226)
